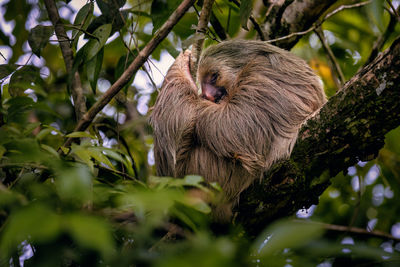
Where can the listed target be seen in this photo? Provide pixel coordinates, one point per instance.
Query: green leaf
(108, 7)
(27, 77)
(93, 68)
(123, 63)
(35, 223)
(95, 45)
(30, 127)
(80, 135)
(84, 155)
(193, 179)
(82, 20)
(90, 232)
(286, 234)
(51, 150)
(39, 38)
(74, 183)
(7, 69)
(124, 159)
(161, 10)
(376, 9)
(2, 151)
(97, 154)
(245, 10)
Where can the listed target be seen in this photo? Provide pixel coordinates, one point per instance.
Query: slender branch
(125, 175)
(200, 33)
(76, 90)
(395, 11)
(357, 230)
(257, 28)
(216, 24)
(331, 56)
(318, 23)
(82, 30)
(133, 67)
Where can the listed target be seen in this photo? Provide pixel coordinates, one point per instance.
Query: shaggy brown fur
(270, 93)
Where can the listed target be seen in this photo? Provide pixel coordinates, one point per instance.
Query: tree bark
(293, 16)
(350, 127)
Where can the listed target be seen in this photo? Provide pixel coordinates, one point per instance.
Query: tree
(76, 184)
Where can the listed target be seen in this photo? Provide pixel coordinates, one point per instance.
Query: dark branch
(350, 127)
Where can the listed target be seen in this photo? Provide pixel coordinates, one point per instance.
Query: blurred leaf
(83, 154)
(51, 150)
(161, 10)
(7, 69)
(245, 11)
(193, 179)
(27, 77)
(90, 232)
(80, 135)
(285, 234)
(97, 154)
(2, 151)
(35, 223)
(376, 9)
(39, 38)
(93, 68)
(74, 184)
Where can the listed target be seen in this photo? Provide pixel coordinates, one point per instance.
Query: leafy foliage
(97, 202)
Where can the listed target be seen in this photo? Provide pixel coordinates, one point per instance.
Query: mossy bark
(350, 127)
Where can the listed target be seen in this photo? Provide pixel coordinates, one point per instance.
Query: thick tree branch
(133, 67)
(295, 16)
(299, 18)
(76, 90)
(350, 127)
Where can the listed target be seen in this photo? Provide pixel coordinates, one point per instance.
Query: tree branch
(76, 90)
(296, 16)
(133, 67)
(357, 231)
(348, 128)
(290, 34)
(331, 56)
(200, 33)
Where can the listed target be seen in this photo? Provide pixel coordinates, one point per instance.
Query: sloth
(254, 98)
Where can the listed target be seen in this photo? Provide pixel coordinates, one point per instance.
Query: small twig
(117, 172)
(199, 36)
(357, 230)
(319, 23)
(395, 11)
(139, 60)
(331, 56)
(1, 54)
(76, 90)
(257, 28)
(219, 30)
(174, 232)
(82, 30)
